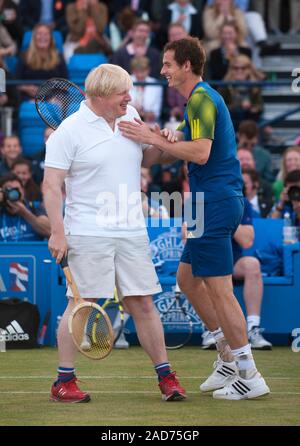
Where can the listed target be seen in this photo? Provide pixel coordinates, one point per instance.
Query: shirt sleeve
(60, 150)
(202, 114)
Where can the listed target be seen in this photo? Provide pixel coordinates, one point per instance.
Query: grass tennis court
(124, 391)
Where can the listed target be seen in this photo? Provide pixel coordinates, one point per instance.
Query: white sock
(218, 334)
(244, 361)
(253, 321)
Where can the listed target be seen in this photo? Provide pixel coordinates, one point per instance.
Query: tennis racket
(115, 312)
(88, 321)
(56, 99)
(177, 324)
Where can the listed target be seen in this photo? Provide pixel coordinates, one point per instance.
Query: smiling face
(115, 105)
(42, 38)
(173, 72)
(292, 161)
(11, 148)
(23, 172)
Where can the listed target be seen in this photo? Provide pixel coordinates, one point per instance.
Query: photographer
(289, 199)
(20, 220)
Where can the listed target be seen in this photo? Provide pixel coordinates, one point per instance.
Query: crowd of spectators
(132, 33)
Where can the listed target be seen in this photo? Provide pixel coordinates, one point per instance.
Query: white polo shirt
(103, 183)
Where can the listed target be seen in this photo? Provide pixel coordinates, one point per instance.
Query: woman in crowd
(23, 169)
(40, 61)
(290, 161)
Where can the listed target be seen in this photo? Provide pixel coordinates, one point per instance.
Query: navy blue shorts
(211, 254)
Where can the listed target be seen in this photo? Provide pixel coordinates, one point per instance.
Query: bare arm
(244, 236)
(40, 224)
(52, 189)
(153, 155)
(197, 151)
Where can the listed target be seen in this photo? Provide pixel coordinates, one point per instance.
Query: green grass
(124, 391)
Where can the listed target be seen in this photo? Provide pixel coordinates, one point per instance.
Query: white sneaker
(208, 341)
(243, 389)
(121, 342)
(223, 372)
(257, 341)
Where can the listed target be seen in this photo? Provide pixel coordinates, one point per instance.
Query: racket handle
(64, 262)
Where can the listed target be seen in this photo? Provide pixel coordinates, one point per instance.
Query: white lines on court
(9, 377)
(117, 392)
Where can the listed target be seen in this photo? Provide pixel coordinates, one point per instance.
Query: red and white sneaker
(68, 393)
(171, 389)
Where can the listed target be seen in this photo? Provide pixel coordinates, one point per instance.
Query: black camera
(11, 194)
(294, 193)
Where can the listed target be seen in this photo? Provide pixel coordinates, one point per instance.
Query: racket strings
(91, 332)
(57, 99)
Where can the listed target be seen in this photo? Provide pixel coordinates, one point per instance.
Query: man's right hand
(58, 246)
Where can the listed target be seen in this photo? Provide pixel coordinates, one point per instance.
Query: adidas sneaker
(223, 372)
(242, 389)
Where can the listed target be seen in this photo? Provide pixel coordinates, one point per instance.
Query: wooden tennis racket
(88, 323)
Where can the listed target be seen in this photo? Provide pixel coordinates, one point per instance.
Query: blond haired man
(103, 230)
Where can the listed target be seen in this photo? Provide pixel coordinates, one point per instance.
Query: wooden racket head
(91, 330)
(57, 99)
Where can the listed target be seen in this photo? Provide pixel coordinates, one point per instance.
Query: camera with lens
(11, 194)
(294, 193)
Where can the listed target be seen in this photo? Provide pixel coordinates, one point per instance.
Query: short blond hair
(107, 79)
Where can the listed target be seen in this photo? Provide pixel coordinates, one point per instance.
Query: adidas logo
(13, 332)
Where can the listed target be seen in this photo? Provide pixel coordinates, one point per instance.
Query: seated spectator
(20, 220)
(10, 151)
(120, 28)
(40, 11)
(244, 102)
(11, 19)
(248, 137)
(23, 169)
(40, 61)
(175, 101)
(180, 12)
(7, 45)
(215, 16)
(38, 159)
(86, 21)
(290, 161)
(139, 46)
(147, 99)
(231, 46)
(289, 199)
(259, 195)
(7, 99)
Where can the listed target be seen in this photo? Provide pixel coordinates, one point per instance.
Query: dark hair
(292, 177)
(248, 128)
(188, 49)
(9, 177)
(32, 190)
(253, 174)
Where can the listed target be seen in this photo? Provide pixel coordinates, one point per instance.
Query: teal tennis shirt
(206, 116)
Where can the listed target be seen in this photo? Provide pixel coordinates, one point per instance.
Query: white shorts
(99, 264)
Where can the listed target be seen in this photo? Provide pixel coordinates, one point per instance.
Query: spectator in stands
(11, 19)
(248, 137)
(243, 102)
(175, 101)
(8, 98)
(10, 151)
(120, 28)
(215, 16)
(290, 161)
(231, 46)
(139, 46)
(40, 11)
(258, 193)
(86, 21)
(289, 199)
(248, 269)
(147, 99)
(38, 159)
(40, 61)
(20, 219)
(180, 12)
(23, 169)
(7, 45)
